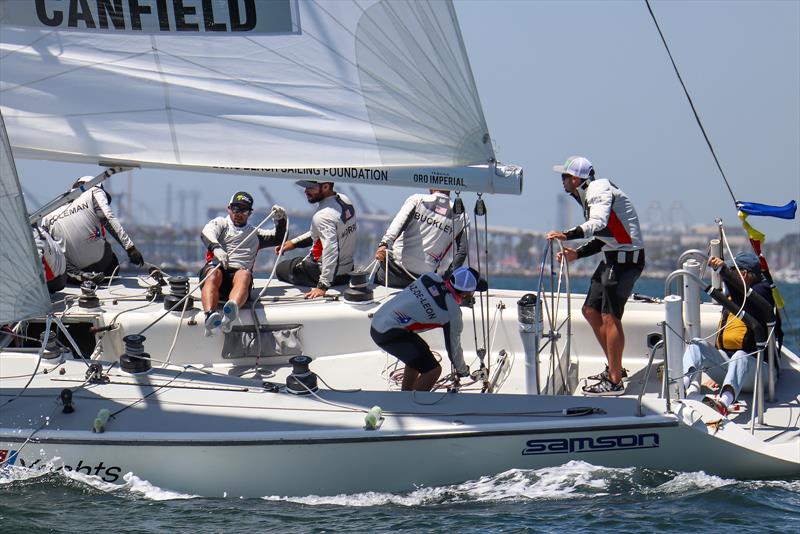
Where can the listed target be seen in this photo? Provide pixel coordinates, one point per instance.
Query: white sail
(23, 292)
(250, 86)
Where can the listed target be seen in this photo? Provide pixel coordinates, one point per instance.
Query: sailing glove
(135, 257)
(278, 213)
(221, 256)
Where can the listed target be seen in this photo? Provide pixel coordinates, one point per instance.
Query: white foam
(151, 492)
(692, 482)
(132, 484)
(562, 482)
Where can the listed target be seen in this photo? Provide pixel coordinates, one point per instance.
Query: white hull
(218, 436)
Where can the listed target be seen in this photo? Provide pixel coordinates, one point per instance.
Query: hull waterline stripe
(327, 441)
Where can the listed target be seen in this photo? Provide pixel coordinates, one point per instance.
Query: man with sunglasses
(613, 228)
(232, 244)
(332, 238)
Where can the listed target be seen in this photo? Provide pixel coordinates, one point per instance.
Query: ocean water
(575, 497)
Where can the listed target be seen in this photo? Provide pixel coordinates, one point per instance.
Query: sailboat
(297, 400)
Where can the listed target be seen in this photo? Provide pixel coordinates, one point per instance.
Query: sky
(559, 78)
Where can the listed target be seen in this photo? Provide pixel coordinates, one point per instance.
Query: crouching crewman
(428, 302)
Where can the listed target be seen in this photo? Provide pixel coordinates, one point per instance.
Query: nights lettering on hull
(157, 16)
(105, 472)
(587, 444)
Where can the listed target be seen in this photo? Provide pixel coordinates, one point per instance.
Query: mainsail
(371, 91)
(23, 293)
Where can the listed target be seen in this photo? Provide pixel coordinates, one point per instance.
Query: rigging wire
(691, 103)
(767, 274)
(480, 211)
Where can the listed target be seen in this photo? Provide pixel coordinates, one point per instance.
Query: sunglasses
(239, 209)
(565, 176)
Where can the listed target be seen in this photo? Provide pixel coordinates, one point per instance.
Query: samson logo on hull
(586, 444)
(155, 16)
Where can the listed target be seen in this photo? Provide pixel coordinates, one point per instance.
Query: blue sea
(575, 497)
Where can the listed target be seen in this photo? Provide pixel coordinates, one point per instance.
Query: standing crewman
(613, 225)
(80, 229)
(419, 239)
(332, 239)
(232, 245)
(428, 302)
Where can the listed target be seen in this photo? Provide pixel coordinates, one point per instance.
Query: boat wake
(573, 480)
(53, 474)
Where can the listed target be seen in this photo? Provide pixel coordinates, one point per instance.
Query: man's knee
(242, 276)
(213, 279)
(611, 320)
(590, 314)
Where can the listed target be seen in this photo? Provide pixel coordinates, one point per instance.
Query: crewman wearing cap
(732, 359)
(332, 238)
(428, 302)
(612, 226)
(80, 228)
(231, 248)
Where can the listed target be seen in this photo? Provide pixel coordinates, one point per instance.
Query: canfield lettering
(157, 16)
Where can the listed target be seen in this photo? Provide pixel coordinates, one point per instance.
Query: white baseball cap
(576, 166)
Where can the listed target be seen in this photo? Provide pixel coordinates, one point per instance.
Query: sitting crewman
(53, 260)
(419, 239)
(232, 245)
(428, 302)
(733, 361)
(80, 227)
(332, 239)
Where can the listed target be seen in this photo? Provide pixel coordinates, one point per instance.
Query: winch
(302, 381)
(135, 359)
(178, 288)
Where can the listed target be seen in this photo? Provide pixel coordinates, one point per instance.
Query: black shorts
(303, 271)
(227, 280)
(612, 284)
(407, 347)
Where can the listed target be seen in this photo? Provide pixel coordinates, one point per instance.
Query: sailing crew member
(53, 260)
(419, 239)
(332, 239)
(613, 226)
(80, 229)
(733, 361)
(231, 248)
(428, 302)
